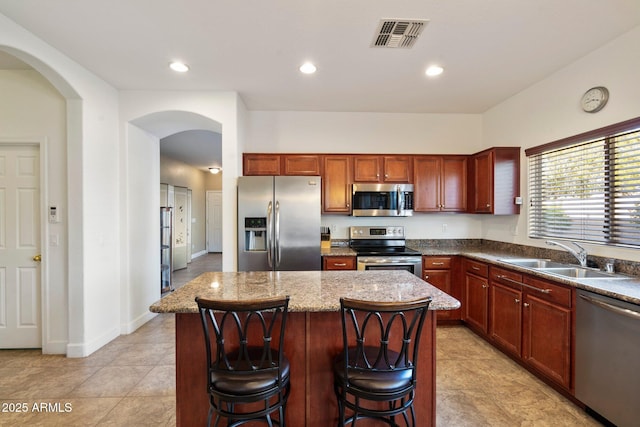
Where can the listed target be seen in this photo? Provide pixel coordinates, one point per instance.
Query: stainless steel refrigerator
(279, 223)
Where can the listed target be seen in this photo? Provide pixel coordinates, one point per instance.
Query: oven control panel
(375, 232)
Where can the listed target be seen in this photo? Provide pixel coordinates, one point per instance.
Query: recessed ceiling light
(434, 70)
(308, 68)
(215, 170)
(179, 66)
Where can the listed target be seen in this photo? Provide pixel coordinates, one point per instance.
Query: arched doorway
(141, 202)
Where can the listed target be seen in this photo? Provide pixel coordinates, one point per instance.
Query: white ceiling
(491, 49)
(201, 149)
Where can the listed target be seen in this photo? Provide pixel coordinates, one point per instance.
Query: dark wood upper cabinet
(440, 183)
(261, 164)
(366, 168)
(301, 164)
(336, 184)
(382, 168)
(494, 181)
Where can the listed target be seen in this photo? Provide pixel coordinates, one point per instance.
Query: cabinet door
(441, 279)
(366, 168)
(261, 164)
(339, 263)
(301, 164)
(453, 185)
(506, 318)
(547, 339)
(426, 184)
(476, 297)
(483, 182)
(336, 184)
(397, 169)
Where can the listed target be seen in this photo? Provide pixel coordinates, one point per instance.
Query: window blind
(588, 191)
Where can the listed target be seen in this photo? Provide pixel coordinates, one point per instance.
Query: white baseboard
(196, 255)
(55, 347)
(85, 349)
(130, 327)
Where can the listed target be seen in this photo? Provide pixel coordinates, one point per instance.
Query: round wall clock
(595, 99)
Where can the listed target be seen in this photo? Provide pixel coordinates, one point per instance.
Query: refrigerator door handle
(269, 234)
(277, 233)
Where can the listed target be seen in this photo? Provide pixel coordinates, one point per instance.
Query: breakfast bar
(313, 336)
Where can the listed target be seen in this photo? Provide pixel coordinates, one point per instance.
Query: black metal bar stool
(247, 371)
(376, 377)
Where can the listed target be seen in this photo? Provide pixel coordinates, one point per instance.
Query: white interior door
(214, 221)
(20, 312)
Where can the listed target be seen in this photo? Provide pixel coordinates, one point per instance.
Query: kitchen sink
(534, 263)
(578, 273)
(560, 269)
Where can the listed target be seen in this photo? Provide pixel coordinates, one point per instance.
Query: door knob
(37, 258)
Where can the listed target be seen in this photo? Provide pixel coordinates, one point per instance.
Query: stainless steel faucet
(580, 254)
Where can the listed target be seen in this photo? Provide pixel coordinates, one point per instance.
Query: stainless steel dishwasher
(608, 357)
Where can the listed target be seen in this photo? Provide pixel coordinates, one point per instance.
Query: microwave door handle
(269, 235)
(399, 199)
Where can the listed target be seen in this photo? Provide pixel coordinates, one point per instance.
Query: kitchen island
(313, 334)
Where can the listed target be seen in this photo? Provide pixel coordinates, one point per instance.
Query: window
(587, 187)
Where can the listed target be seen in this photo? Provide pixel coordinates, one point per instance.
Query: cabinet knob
(485, 286)
(488, 205)
(426, 277)
(517, 300)
(526, 304)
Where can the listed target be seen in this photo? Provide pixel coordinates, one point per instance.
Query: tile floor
(130, 382)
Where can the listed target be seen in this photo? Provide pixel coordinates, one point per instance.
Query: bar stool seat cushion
(380, 379)
(242, 381)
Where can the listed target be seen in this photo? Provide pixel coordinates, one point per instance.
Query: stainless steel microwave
(382, 200)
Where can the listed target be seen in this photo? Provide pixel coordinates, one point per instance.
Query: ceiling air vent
(398, 33)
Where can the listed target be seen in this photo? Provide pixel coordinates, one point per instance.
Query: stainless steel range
(384, 248)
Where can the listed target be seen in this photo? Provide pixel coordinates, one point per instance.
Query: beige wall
(32, 110)
(199, 182)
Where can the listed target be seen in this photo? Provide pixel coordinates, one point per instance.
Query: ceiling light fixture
(434, 70)
(215, 170)
(307, 68)
(180, 67)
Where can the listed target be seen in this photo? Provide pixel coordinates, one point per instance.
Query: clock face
(595, 99)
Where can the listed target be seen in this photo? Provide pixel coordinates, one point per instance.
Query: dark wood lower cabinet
(476, 303)
(506, 318)
(546, 342)
(530, 319)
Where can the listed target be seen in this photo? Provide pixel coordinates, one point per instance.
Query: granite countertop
(624, 287)
(310, 291)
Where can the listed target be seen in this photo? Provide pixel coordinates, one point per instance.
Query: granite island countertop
(309, 291)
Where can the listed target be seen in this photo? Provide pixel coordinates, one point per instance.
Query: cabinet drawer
(339, 263)
(548, 291)
(506, 277)
(436, 263)
(477, 268)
